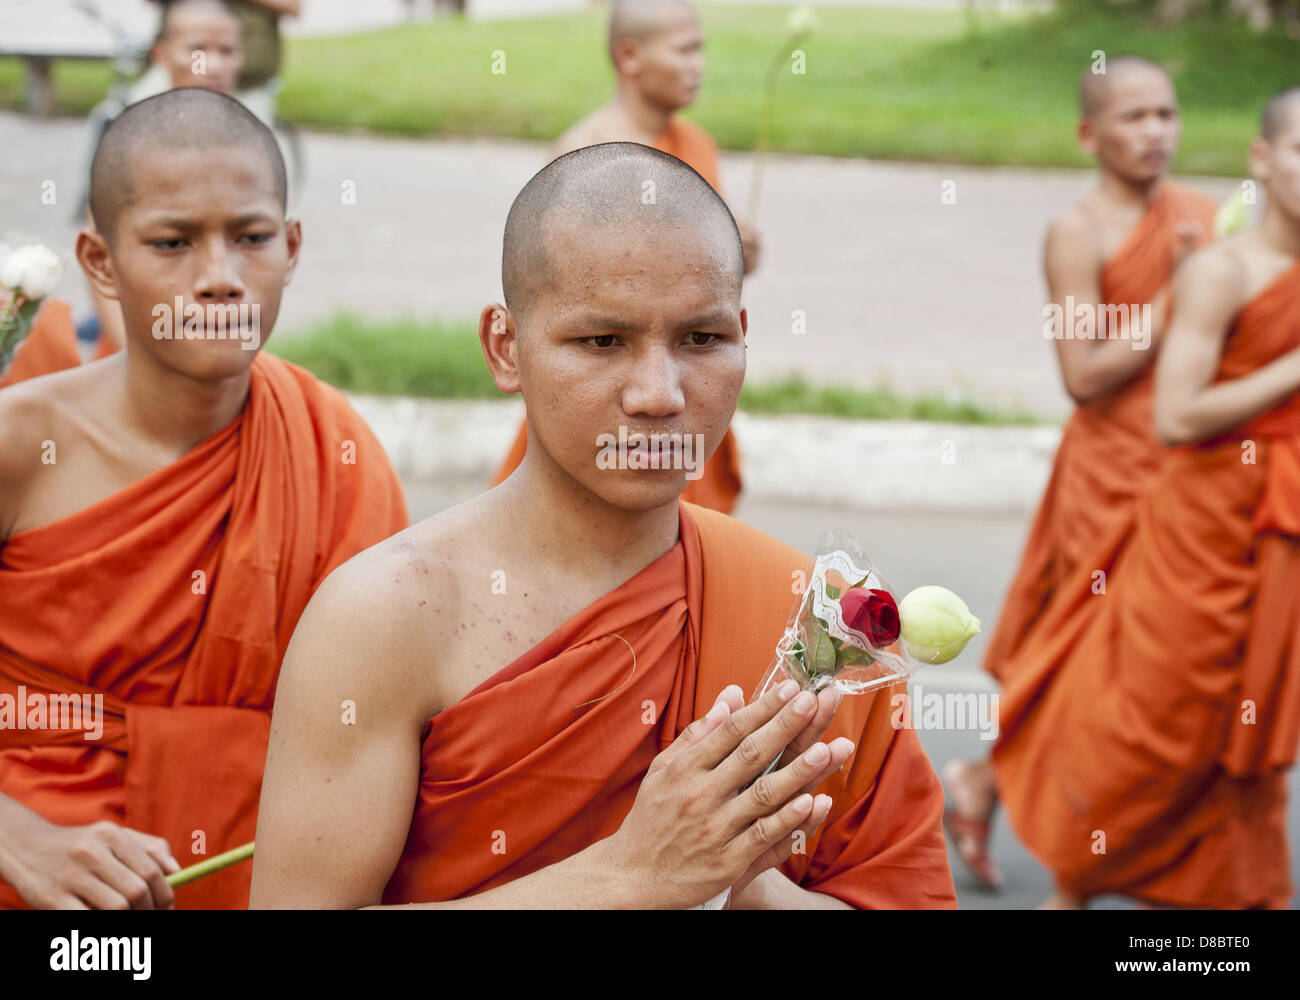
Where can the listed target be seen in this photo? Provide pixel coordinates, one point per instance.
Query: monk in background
(657, 50)
(1146, 729)
(522, 700)
(165, 514)
(1117, 247)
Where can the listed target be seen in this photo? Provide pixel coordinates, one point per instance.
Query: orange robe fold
(720, 485)
(174, 600)
(545, 757)
(1108, 450)
(1160, 715)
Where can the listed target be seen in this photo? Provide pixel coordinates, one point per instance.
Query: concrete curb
(865, 464)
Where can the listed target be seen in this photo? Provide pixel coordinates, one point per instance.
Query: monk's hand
(700, 822)
(102, 866)
(1188, 234)
(750, 245)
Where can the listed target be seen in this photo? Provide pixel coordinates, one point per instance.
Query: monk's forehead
(199, 15)
(651, 18)
(573, 243)
(1130, 84)
(156, 175)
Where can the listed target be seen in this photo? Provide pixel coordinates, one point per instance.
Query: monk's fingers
(765, 833)
(147, 866)
(746, 732)
(729, 700)
(779, 852)
(119, 877)
(110, 885)
(774, 789)
(828, 700)
(156, 848)
(841, 749)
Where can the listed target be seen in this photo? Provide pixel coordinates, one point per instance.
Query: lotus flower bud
(936, 624)
(1231, 216)
(802, 20)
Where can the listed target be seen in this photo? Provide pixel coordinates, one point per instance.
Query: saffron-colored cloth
(545, 757)
(50, 345)
(1108, 450)
(175, 599)
(1145, 729)
(720, 484)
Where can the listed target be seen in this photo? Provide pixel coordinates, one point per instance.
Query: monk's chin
(207, 361)
(641, 491)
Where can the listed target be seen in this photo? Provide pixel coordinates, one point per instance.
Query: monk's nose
(654, 385)
(218, 278)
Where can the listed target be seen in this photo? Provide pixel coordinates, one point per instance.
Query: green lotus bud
(1231, 216)
(936, 624)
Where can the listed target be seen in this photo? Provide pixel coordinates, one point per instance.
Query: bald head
(174, 10)
(641, 20)
(187, 118)
(1095, 88)
(1279, 113)
(615, 187)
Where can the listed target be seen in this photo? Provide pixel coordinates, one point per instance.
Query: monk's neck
(1121, 191)
(1280, 231)
(559, 526)
(175, 410)
(641, 115)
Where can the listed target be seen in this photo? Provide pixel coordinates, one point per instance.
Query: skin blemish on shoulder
(421, 604)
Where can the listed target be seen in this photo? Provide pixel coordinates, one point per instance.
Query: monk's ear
(627, 56)
(96, 262)
(293, 241)
(744, 322)
(1086, 132)
(498, 335)
(1260, 155)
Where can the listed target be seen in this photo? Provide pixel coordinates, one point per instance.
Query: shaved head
(1278, 113)
(613, 186)
(171, 7)
(641, 20)
(186, 118)
(1094, 88)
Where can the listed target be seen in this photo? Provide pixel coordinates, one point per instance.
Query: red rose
(873, 613)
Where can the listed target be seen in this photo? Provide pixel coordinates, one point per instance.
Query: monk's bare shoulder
(1216, 279)
(595, 128)
(38, 418)
(1074, 232)
(393, 610)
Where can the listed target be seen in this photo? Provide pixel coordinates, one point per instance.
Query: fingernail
(805, 703)
(803, 802)
(787, 690)
(826, 803)
(717, 712)
(817, 754)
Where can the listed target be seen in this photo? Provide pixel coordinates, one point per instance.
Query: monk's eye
(604, 340)
(699, 339)
(172, 244)
(257, 239)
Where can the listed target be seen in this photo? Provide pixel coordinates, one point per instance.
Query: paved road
(975, 556)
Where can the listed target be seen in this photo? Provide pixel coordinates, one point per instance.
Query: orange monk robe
(50, 346)
(175, 599)
(1108, 450)
(720, 484)
(545, 757)
(1162, 713)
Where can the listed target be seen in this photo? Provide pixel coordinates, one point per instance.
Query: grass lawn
(443, 361)
(881, 82)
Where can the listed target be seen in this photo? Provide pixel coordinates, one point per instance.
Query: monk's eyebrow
(599, 321)
(185, 224)
(719, 317)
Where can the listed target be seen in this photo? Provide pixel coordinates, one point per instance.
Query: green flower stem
(214, 864)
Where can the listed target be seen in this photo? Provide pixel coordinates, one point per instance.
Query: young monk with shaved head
(494, 708)
(656, 48)
(1116, 248)
(165, 514)
(1146, 733)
